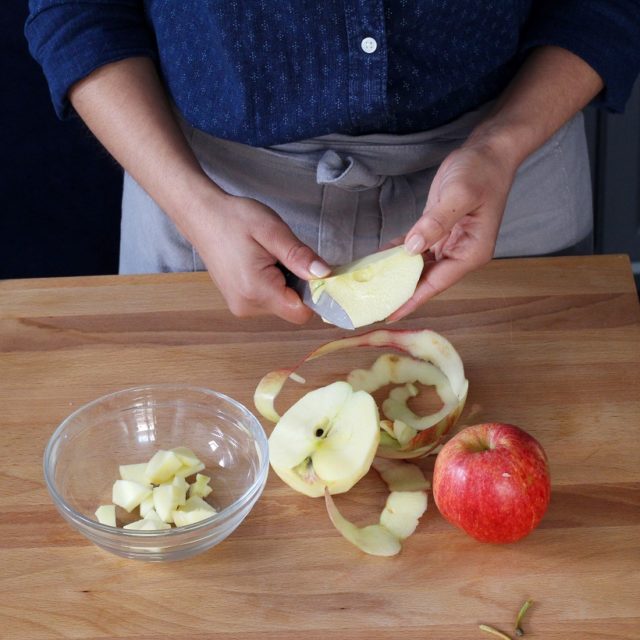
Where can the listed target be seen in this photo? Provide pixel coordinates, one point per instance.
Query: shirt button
(369, 45)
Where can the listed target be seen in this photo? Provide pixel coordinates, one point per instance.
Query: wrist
(509, 142)
(194, 202)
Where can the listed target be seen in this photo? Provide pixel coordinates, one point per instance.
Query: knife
(326, 307)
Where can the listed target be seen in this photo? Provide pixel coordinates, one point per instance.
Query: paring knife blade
(326, 307)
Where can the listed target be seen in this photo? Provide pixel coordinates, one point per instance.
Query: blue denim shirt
(264, 72)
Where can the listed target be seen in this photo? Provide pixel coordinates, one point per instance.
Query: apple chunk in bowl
(83, 457)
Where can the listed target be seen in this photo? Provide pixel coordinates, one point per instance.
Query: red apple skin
(492, 481)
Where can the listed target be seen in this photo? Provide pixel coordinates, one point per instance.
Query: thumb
(296, 256)
(448, 202)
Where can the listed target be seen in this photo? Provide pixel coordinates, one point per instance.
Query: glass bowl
(82, 458)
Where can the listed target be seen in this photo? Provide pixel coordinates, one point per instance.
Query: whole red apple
(492, 481)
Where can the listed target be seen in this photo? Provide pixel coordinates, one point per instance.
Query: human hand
(460, 222)
(240, 241)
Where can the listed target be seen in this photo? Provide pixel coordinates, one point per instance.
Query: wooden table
(550, 344)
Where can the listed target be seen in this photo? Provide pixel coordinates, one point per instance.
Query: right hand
(240, 241)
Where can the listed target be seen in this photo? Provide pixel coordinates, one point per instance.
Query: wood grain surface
(550, 344)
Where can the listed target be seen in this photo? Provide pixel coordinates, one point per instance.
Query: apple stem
(494, 632)
(523, 610)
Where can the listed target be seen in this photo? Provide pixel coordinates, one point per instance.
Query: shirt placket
(367, 63)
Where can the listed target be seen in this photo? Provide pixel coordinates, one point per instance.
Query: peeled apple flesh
(326, 439)
(106, 514)
(372, 288)
(160, 503)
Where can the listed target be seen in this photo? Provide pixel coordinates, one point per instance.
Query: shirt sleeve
(70, 39)
(604, 33)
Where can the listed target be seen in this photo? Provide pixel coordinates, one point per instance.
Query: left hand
(460, 222)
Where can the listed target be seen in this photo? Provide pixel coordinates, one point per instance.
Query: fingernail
(319, 269)
(415, 244)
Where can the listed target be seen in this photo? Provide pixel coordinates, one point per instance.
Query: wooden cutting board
(550, 344)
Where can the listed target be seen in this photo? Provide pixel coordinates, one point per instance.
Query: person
(255, 134)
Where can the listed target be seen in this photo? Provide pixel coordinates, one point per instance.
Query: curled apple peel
(399, 518)
(436, 362)
(374, 539)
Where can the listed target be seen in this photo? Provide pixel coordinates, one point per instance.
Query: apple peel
(423, 345)
(403, 509)
(400, 476)
(374, 539)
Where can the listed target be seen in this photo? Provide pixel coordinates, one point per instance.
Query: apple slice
(194, 510)
(147, 524)
(187, 471)
(372, 288)
(135, 472)
(167, 498)
(128, 494)
(187, 457)
(162, 466)
(402, 511)
(200, 487)
(106, 514)
(374, 539)
(146, 506)
(326, 439)
(183, 486)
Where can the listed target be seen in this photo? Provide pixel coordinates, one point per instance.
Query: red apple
(492, 481)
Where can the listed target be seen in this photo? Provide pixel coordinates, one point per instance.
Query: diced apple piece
(135, 472)
(402, 512)
(162, 466)
(374, 539)
(152, 514)
(183, 486)
(147, 524)
(187, 457)
(326, 439)
(194, 510)
(146, 505)
(200, 487)
(372, 288)
(187, 471)
(128, 494)
(166, 498)
(106, 514)
(400, 476)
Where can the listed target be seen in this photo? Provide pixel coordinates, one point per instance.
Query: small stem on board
(494, 632)
(523, 609)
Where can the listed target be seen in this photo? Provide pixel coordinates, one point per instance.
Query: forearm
(550, 88)
(126, 107)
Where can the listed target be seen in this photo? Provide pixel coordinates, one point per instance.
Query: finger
(451, 202)
(286, 304)
(300, 259)
(437, 277)
(267, 294)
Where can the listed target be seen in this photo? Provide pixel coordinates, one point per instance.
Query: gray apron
(348, 196)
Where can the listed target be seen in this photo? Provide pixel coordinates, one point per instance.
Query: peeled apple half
(326, 440)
